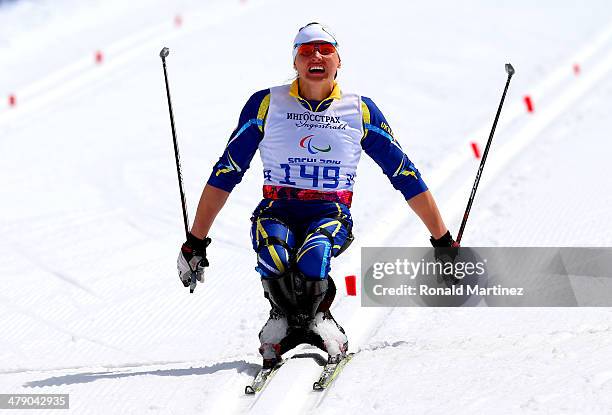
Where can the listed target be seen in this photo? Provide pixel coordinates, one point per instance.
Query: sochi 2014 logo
(306, 142)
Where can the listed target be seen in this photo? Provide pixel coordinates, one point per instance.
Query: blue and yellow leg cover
(274, 243)
(324, 239)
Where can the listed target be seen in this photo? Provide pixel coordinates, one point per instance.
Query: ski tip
(248, 390)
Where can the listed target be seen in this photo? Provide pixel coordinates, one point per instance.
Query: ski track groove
(56, 327)
(21, 251)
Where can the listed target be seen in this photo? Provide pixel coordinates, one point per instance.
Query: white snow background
(90, 220)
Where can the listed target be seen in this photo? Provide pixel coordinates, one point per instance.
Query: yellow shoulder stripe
(263, 111)
(366, 118)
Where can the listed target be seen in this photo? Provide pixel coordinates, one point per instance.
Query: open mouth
(316, 69)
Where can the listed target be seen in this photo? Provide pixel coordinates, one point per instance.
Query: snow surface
(90, 217)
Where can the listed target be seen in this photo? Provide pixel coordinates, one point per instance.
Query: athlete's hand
(446, 250)
(192, 258)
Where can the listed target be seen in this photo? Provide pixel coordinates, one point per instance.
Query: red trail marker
(576, 69)
(99, 56)
(351, 284)
(475, 149)
(12, 100)
(178, 20)
(528, 103)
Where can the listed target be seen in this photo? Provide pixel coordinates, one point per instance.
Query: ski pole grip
(164, 53)
(509, 69)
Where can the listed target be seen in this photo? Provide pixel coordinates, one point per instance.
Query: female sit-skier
(310, 135)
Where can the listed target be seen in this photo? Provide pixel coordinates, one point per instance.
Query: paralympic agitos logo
(306, 142)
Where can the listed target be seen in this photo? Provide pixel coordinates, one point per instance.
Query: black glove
(192, 258)
(445, 241)
(446, 250)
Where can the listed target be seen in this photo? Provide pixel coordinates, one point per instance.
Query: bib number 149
(326, 177)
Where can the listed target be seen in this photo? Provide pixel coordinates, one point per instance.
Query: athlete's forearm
(211, 202)
(425, 207)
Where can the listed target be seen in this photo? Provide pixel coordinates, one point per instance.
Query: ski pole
(510, 72)
(163, 54)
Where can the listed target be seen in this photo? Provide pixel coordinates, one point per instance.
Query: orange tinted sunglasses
(307, 49)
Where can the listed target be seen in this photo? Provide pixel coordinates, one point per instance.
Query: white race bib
(311, 150)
